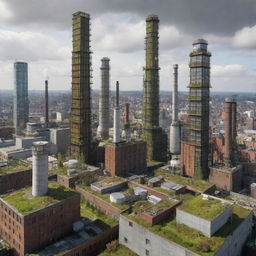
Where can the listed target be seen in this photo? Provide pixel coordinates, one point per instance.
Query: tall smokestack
(46, 104)
(228, 132)
(234, 117)
(175, 126)
(40, 168)
(116, 137)
(127, 123)
(103, 128)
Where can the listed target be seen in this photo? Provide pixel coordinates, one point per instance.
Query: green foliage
(81, 159)
(25, 203)
(206, 209)
(60, 161)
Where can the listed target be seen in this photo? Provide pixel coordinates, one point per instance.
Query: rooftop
(13, 166)
(206, 209)
(23, 201)
(199, 185)
(191, 239)
(108, 182)
(116, 249)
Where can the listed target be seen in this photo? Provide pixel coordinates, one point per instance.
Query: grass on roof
(93, 214)
(116, 249)
(105, 197)
(14, 166)
(192, 239)
(206, 209)
(25, 203)
(196, 184)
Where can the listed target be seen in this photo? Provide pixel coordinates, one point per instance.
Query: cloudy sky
(39, 32)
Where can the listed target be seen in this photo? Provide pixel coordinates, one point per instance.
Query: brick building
(124, 157)
(29, 223)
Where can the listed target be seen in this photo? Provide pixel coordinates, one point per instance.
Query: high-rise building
(103, 128)
(21, 102)
(153, 134)
(81, 91)
(46, 104)
(195, 150)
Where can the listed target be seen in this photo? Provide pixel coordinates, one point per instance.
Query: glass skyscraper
(21, 103)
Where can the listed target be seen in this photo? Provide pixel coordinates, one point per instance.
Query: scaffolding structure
(199, 90)
(153, 134)
(81, 91)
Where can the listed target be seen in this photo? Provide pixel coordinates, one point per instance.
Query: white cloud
(30, 46)
(6, 14)
(228, 70)
(245, 38)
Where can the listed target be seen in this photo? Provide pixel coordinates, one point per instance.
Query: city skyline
(118, 33)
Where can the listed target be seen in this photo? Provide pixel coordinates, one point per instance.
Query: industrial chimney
(40, 168)
(175, 126)
(127, 127)
(228, 132)
(116, 137)
(46, 104)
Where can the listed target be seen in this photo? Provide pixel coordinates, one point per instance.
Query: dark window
(130, 224)
(147, 252)
(147, 241)
(126, 240)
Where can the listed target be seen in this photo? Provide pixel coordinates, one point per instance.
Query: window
(126, 240)
(147, 252)
(130, 224)
(147, 241)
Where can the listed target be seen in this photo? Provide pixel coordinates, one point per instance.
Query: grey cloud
(192, 16)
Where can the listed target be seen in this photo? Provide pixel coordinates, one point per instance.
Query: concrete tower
(199, 90)
(175, 125)
(81, 91)
(116, 136)
(40, 168)
(46, 104)
(153, 134)
(103, 128)
(21, 102)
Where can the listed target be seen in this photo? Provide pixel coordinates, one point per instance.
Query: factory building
(21, 102)
(81, 91)
(196, 149)
(152, 133)
(122, 157)
(30, 222)
(103, 128)
(228, 174)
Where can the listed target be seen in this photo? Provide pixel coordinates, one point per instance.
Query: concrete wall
(208, 228)
(234, 243)
(136, 236)
(61, 138)
(26, 142)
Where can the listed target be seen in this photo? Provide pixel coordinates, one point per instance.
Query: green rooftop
(14, 166)
(116, 249)
(93, 214)
(105, 197)
(196, 184)
(192, 239)
(25, 203)
(206, 209)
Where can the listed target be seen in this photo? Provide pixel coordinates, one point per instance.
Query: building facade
(81, 91)
(153, 134)
(21, 102)
(199, 90)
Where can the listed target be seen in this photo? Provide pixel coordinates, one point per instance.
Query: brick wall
(99, 203)
(188, 159)
(125, 157)
(15, 181)
(96, 245)
(36, 230)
